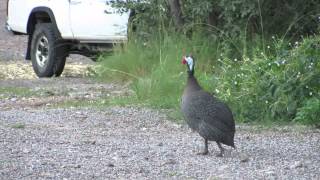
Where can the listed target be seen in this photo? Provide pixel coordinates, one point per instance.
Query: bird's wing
(212, 111)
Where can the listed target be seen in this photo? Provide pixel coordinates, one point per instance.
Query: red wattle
(184, 61)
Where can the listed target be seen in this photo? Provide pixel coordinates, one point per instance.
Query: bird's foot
(219, 154)
(203, 153)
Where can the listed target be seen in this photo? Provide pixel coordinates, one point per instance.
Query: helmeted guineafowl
(204, 113)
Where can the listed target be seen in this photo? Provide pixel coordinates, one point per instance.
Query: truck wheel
(48, 54)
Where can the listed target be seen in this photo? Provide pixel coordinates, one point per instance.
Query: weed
(15, 91)
(18, 126)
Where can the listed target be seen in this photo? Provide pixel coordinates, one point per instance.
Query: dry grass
(19, 70)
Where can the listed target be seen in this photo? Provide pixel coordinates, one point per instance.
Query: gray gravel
(139, 143)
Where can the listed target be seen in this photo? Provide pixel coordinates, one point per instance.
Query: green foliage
(271, 85)
(6, 92)
(309, 113)
(154, 67)
(18, 126)
(230, 18)
(244, 53)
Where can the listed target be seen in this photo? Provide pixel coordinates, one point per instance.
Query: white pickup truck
(57, 28)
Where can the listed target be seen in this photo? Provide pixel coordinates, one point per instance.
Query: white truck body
(58, 28)
(82, 20)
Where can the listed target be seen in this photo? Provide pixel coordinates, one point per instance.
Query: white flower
(268, 47)
(267, 101)
(235, 60)
(307, 86)
(217, 91)
(261, 53)
(235, 83)
(269, 64)
(310, 93)
(273, 37)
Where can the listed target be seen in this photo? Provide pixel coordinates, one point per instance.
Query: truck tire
(48, 53)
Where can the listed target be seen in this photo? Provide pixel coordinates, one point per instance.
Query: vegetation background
(261, 57)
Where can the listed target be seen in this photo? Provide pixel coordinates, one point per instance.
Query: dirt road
(67, 128)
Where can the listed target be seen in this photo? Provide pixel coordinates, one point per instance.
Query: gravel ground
(139, 143)
(39, 140)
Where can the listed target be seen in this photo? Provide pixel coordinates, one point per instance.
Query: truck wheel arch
(39, 15)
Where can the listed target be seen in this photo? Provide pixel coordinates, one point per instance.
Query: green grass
(266, 87)
(16, 91)
(100, 103)
(18, 126)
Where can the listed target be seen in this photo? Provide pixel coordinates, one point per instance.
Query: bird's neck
(192, 83)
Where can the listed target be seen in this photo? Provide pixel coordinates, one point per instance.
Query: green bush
(309, 113)
(272, 85)
(225, 17)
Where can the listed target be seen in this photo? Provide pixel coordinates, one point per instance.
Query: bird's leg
(221, 150)
(205, 150)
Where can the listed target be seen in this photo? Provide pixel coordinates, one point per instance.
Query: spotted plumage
(206, 114)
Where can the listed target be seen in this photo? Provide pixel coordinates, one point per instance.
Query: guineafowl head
(189, 61)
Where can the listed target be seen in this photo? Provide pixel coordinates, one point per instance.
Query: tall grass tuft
(278, 83)
(155, 68)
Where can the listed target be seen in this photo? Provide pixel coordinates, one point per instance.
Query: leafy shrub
(309, 113)
(271, 85)
(221, 17)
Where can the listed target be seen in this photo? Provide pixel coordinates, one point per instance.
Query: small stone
(169, 161)
(270, 172)
(223, 168)
(26, 151)
(244, 158)
(110, 165)
(297, 164)
(160, 144)
(88, 156)
(13, 99)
